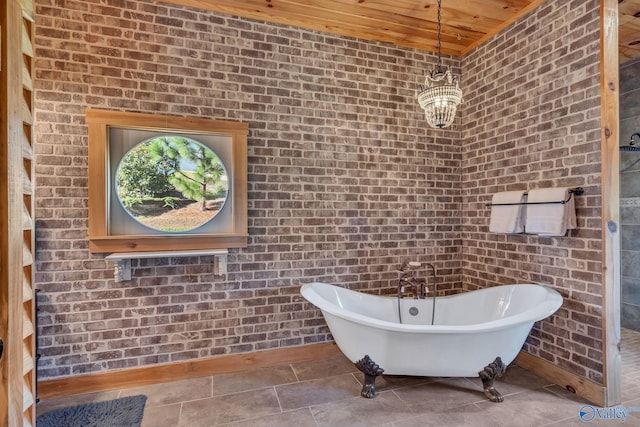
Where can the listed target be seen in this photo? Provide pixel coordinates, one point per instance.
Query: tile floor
(326, 393)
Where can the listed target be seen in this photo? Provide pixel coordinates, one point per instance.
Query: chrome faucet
(408, 280)
(419, 286)
(416, 286)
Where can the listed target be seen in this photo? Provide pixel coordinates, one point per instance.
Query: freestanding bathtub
(474, 333)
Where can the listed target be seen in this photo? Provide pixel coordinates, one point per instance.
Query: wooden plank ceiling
(629, 29)
(412, 23)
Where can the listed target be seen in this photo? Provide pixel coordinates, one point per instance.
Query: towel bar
(578, 191)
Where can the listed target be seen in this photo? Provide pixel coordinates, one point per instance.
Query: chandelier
(440, 95)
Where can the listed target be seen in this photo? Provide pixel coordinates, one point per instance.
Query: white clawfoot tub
(470, 329)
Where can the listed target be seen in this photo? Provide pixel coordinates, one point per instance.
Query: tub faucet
(407, 280)
(419, 286)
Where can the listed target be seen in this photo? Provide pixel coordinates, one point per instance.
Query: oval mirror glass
(171, 183)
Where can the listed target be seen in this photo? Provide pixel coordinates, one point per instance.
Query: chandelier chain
(439, 67)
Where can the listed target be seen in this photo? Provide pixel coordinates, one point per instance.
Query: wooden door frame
(17, 366)
(10, 322)
(610, 184)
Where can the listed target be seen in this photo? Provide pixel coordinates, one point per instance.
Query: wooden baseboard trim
(594, 393)
(153, 374)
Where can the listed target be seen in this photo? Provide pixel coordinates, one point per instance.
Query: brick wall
(345, 180)
(532, 120)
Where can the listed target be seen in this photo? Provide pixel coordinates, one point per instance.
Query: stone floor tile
(323, 368)
(161, 416)
(565, 394)
(516, 380)
(467, 415)
(385, 408)
(533, 408)
(173, 391)
(576, 421)
(391, 382)
(252, 380)
(318, 391)
(229, 408)
(592, 415)
(441, 395)
(297, 418)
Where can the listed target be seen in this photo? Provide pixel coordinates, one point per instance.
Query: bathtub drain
(413, 311)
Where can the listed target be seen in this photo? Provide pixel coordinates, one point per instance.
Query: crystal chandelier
(440, 95)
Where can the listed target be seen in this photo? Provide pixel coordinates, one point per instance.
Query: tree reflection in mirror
(171, 183)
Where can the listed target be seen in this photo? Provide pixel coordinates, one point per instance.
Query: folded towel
(550, 219)
(507, 219)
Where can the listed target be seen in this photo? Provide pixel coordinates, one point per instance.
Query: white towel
(550, 219)
(507, 219)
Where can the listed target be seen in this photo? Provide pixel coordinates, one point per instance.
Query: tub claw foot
(371, 370)
(493, 370)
